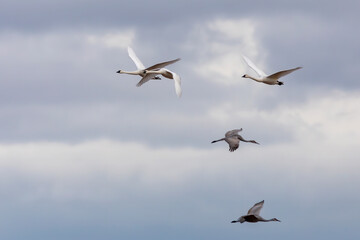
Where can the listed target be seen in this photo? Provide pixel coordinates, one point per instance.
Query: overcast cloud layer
(85, 154)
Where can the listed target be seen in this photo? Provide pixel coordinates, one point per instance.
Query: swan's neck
(130, 72)
(270, 220)
(255, 79)
(222, 139)
(244, 140)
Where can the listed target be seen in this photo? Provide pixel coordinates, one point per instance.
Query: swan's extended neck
(270, 220)
(222, 139)
(244, 140)
(254, 78)
(128, 72)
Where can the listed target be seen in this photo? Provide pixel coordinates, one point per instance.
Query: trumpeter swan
(272, 79)
(141, 68)
(233, 139)
(253, 215)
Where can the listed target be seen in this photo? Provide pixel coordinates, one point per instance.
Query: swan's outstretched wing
(255, 210)
(146, 78)
(283, 73)
(177, 82)
(135, 59)
(232, 132)
(252, 65)
(162, 64)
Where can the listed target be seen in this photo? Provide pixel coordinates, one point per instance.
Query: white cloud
(326, 138)
(220, 44)
(208, 183)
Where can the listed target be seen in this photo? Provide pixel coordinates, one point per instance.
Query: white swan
(166, 73)
(233, 139)
(141, 68)
(253, 215)
(264, 78)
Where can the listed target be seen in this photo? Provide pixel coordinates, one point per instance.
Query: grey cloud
(72, 93)
(92, 186)
(58, 87)
(59, 14)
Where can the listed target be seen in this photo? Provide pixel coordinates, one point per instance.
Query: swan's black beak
(118, 71)
(144, 72)
(244, 75)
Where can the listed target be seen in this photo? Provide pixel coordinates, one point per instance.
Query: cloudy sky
(85, 154)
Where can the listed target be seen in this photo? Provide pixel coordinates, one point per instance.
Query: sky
(85, 154)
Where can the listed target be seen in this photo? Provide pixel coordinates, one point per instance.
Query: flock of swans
(232, 137)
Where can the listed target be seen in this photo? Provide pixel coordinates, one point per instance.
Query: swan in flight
(141, 68)
(253, 215)
(165, 73)
(233, 139)
(272, 79)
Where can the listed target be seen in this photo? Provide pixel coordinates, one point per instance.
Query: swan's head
(118, 71)
(144, 72)
(275, 219)
(245, 76)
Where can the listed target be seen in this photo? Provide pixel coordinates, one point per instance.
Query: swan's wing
(232, 132)
(146, 78)
(135, 59)
(283, 73)
(255, 210)
(177, 82)
(252, 65)
(162, 64)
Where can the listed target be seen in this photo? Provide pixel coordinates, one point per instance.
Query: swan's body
(272, 79)
(165, 73)
(233, 139)
(253, 215)
(141, 68)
